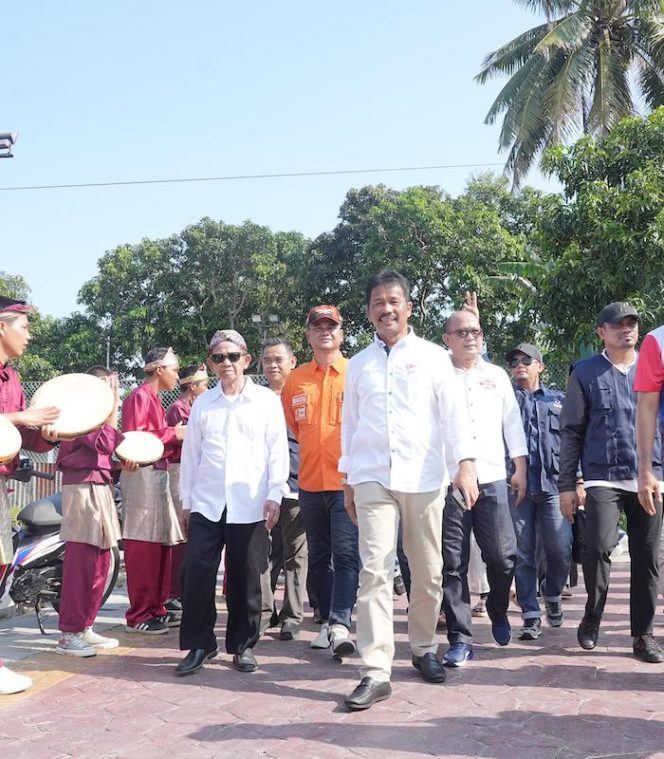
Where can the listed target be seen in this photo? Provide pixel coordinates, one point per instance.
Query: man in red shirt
(649, 386)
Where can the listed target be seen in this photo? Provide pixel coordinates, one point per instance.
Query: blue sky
(128, 90)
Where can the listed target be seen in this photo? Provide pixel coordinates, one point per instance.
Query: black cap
(527, 349)
(615, 312)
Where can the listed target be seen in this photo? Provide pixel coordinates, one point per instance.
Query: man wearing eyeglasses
(538, 515)
(597, 428)
(312, 399)
(495, 423)
(233, 476)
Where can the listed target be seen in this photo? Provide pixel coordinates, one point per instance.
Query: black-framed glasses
(463, 333)
(218, 358)
(525, 360)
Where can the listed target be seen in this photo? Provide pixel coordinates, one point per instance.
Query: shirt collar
(622, 371)
(410, 334)
(480, 366)
(248, 390)
(337, 365)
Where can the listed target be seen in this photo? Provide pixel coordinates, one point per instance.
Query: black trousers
(491, 521)
(603, 507)
(247, 555)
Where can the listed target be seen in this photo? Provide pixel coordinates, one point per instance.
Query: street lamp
(7, 140)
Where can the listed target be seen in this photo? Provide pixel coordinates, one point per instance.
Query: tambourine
(10, 440)
(85, 403)
(141, 447)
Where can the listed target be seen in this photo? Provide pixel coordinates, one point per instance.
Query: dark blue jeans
(334, 559)
(538, 522)
(491, 522)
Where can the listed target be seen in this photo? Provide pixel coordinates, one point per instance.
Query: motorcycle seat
(41, 515)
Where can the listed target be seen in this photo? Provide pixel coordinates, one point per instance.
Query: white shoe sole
(110, 643)
(78, 654)
(18, 686)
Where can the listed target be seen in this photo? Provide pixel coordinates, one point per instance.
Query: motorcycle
(34, 578)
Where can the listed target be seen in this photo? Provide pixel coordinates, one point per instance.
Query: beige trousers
(378, 514)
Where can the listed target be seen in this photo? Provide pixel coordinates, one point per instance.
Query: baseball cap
(614, 312)
(527, 349)
(324, 312)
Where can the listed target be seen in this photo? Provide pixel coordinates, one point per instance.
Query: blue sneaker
(458, 654)
(501, 631)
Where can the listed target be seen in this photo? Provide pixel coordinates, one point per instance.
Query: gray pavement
(541, 699)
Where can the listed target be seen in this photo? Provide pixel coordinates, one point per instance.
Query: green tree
(604, 238)
(443, 245)
(582, 70)
(14, 286)
(178, 291)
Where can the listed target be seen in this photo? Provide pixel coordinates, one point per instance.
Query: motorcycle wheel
(111, 579)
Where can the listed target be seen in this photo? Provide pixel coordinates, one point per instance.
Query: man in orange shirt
(312, 399)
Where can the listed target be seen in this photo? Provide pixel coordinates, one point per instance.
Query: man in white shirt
(233, 476)
(496, 424)
(399, 415)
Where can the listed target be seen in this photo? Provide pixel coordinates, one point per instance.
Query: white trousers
(378, 513)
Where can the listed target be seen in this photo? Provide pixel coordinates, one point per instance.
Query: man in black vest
(597, 429)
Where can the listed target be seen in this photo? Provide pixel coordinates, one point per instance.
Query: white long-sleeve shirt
(494, 418)
(400, 414)
(235, 455)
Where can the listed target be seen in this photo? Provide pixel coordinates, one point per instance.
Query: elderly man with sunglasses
(233, 476)
(538, 515)
(495, 424)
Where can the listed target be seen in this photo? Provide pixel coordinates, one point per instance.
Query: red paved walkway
(536, 700)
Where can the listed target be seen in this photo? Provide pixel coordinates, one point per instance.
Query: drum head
(85, 402)
(10, 440)
(141, 447)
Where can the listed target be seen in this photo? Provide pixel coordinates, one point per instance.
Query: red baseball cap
(324, 312)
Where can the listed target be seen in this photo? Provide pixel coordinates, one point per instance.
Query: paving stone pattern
(540, 699)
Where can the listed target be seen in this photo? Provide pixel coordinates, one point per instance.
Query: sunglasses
(218, 358)
(463, 333)
(525, 360)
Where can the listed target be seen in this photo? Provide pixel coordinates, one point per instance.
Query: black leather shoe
(430, 668)
(245, 662)
(367, 693)
(195, 659)
(588, 632)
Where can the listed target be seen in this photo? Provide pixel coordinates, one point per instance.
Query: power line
(234, 177)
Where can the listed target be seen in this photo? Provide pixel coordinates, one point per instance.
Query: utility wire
(234, 177)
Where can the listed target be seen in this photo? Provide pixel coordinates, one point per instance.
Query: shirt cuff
(464, 451)
(275, 494)
(186, 504)
(343, 465)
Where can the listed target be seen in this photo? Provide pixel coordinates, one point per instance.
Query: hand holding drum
(10, 440)
(84, 402)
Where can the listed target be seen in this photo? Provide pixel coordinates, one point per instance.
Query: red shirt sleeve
(650, 368)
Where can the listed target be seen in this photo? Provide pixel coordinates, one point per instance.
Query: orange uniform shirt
(312, 399)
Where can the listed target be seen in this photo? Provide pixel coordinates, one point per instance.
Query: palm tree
(582, 70)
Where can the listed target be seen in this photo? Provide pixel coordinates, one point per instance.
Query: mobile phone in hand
(457, 497)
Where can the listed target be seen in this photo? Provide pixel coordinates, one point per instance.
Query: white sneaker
(11, 682)
(98, 641)
(72, 644)
(321, 640)
(340, 640)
